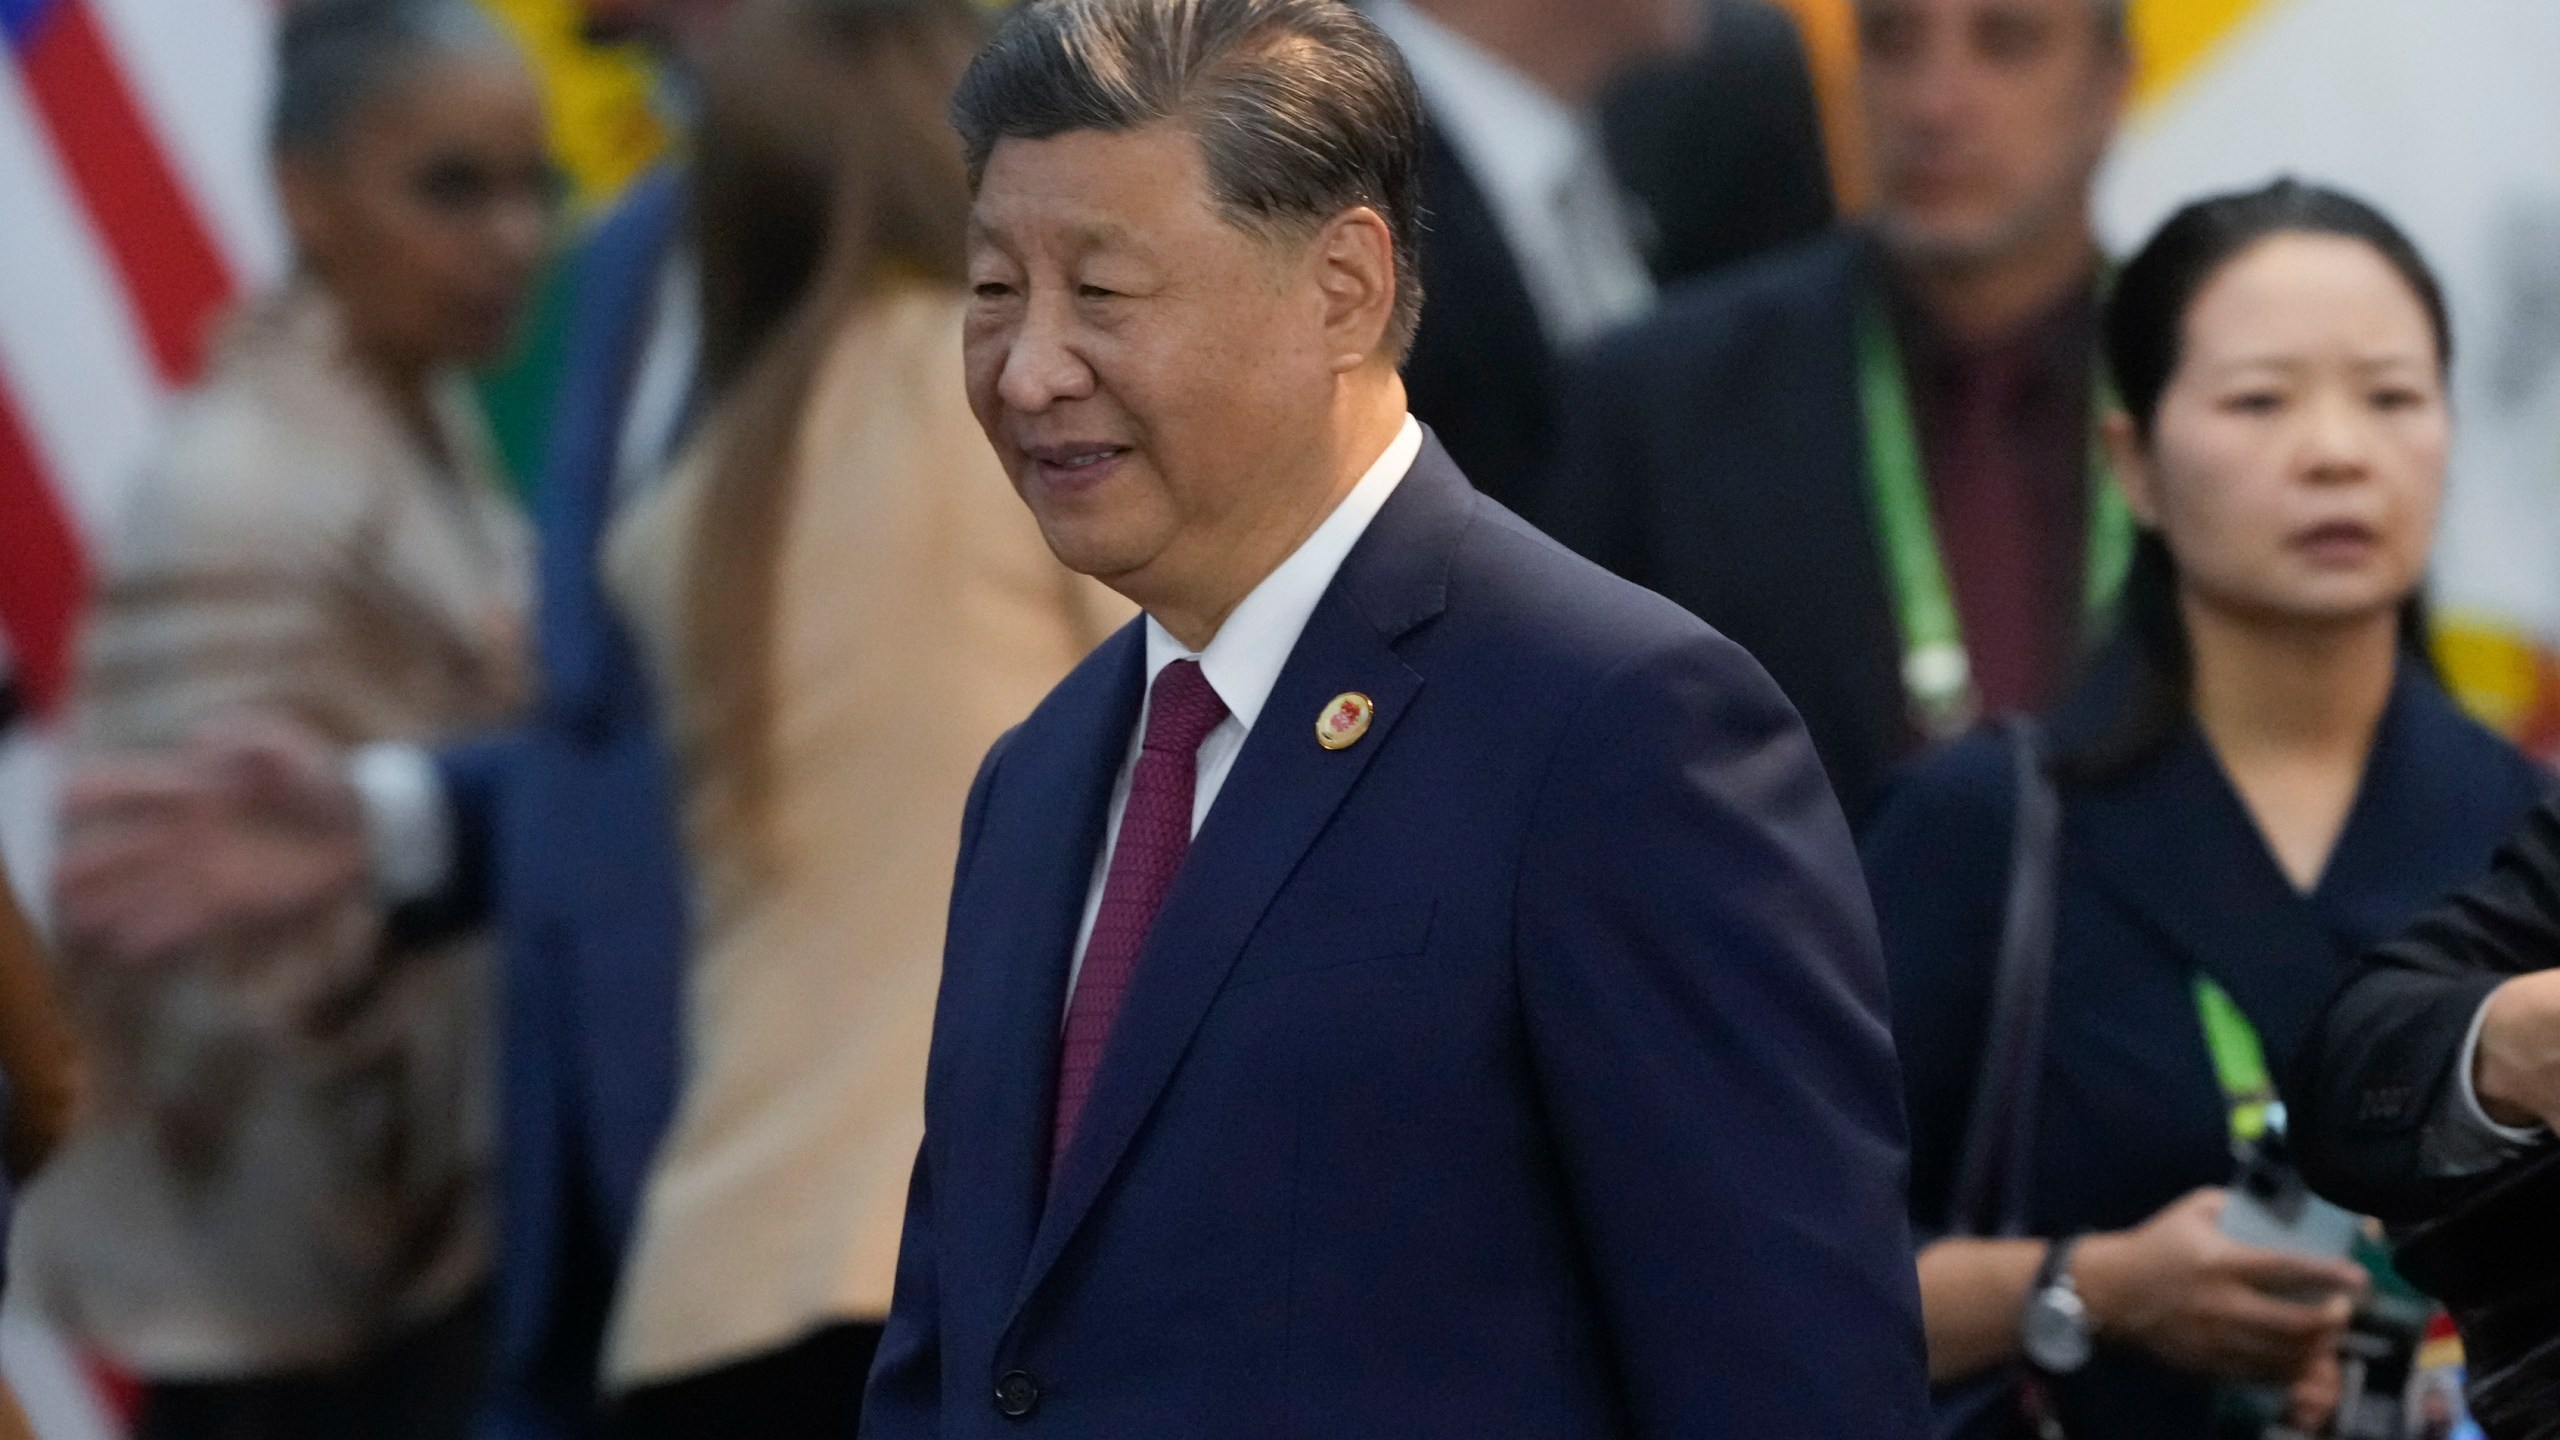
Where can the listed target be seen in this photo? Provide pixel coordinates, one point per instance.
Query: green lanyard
(2239, 1062)
(1936, 673)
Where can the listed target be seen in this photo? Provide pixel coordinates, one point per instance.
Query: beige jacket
(284, 1147)
(921, 616)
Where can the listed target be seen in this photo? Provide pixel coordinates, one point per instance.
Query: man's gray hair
(1302, 108)
(335, 57)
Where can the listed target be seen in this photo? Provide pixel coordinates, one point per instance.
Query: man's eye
(992, 289)
(1094, 292)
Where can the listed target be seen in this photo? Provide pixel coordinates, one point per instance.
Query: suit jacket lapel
(1029, 895)
(2177, 846)
(1277, 799)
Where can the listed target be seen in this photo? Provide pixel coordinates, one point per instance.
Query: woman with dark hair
(273, 1207)
(2256, 778)
(846, 605)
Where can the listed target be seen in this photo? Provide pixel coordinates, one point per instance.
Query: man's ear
(1355, 259)
(2131, 462)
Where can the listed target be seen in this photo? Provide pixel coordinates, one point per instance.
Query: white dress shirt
(2460, 1138)
(1543, 170)
(1243, 660)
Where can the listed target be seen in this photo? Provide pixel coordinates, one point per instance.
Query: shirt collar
(1243, 660)
(1518, 140)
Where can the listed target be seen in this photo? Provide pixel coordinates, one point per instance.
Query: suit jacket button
(1017, 1393)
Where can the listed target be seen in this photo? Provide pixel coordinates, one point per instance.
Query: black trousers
(810, 1389)
(424, 1385)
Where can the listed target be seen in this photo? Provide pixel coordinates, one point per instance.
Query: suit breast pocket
(1309, 939)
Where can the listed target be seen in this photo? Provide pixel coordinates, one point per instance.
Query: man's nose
(1938, 90)
(1041, 366)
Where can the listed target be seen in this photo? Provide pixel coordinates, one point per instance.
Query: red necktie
(1155, 833)
(1985, 494)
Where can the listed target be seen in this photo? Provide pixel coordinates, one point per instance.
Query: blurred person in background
(1541, 116)
(274, 1208)
(561, 831)
(1721, 144)
(2258, 777)
(1871, 459)
(848, 606)
(39, 1081)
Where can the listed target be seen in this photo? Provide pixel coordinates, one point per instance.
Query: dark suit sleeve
(2383, 1052)
(904, 1398)
(1707, 1018)
(474, 774)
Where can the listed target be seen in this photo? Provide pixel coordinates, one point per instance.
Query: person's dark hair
(2114, 17)
(2144, 334)
(824, 172)
(334, 57)
(1302, 108)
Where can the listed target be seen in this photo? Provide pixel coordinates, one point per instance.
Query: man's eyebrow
(1080, 237)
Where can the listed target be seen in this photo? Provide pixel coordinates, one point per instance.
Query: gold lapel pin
(1344, 719)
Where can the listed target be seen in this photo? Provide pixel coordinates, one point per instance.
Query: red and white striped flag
(134, 206)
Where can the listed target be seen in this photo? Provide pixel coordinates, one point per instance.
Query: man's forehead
(1088, 190)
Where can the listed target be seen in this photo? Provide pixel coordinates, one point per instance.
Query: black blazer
(1721, 148)
(1715, 454)
(2385, 1048)
(2163, 876)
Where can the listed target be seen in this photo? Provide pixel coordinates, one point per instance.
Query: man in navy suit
(1410, 983)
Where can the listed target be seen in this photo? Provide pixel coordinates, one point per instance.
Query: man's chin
(1102, 557)
(1948, 240)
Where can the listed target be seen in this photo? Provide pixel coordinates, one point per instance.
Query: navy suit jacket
(1716, 453)
(566, 829)
(2162, 876)
(1521, 1070)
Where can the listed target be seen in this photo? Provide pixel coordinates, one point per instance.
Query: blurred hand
(2516, 1071)
(2181, 1289)
(2313, 1401)
(253, 825)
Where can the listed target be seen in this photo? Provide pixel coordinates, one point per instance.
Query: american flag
(135, 211)
(134, 207)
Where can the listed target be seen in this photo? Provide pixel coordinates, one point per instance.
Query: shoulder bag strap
(1994, 1174)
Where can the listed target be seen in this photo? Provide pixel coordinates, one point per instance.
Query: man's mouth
(1074, 464)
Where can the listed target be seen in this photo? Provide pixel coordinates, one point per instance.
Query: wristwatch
(2055, 1332)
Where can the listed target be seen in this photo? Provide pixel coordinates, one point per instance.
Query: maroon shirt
(2004, 446)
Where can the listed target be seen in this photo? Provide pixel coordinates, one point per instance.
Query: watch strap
(2056, 1267)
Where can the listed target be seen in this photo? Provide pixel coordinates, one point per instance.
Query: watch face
(2055, 1331)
